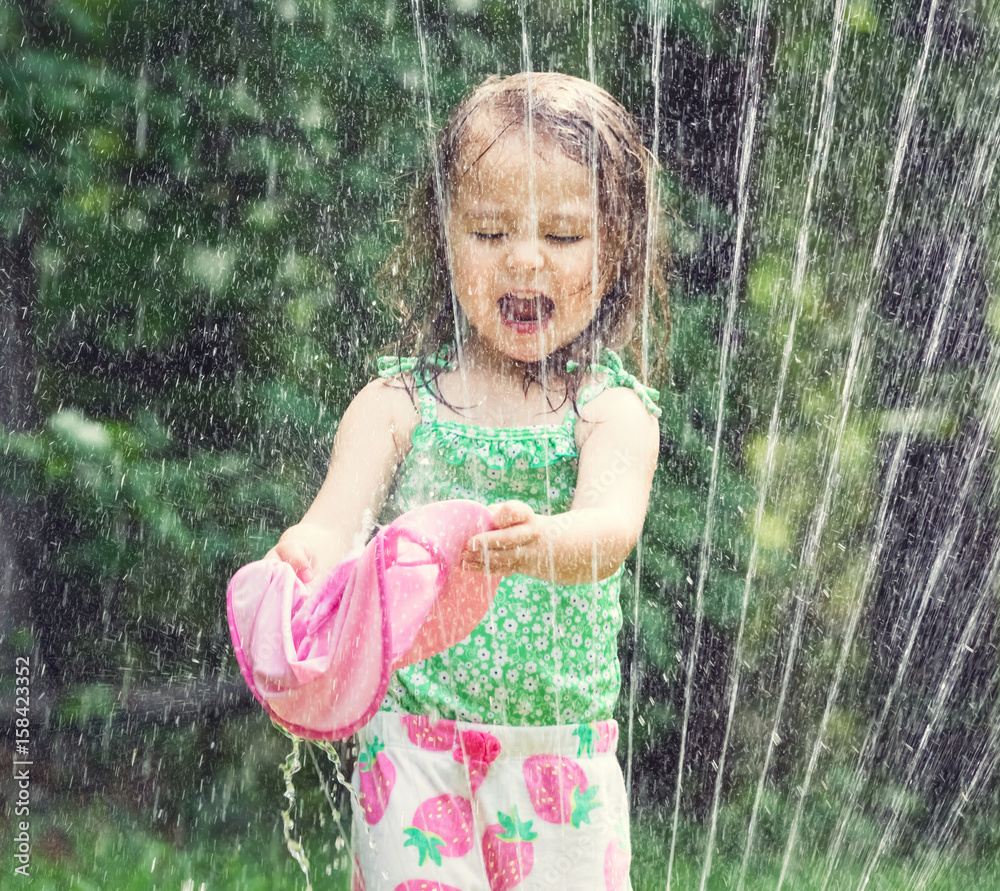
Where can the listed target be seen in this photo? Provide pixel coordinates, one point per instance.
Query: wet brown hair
(590, 127)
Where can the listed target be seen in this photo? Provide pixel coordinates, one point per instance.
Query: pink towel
(320, 662)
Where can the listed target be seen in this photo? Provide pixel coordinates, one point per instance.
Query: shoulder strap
(616, 376)
(392, 366)
(613, 374)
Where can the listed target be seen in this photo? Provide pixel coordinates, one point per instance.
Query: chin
(526, 350)
(528, 355)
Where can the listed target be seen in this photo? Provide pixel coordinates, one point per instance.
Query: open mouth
(526, 314)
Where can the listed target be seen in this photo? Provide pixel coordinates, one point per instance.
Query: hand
(519, 542)
(300, 546)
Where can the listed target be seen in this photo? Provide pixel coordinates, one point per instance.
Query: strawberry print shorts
(452, 806)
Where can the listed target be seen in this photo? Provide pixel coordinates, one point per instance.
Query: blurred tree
(196, 197)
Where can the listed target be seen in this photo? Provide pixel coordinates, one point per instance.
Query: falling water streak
(591, 64)
(330, 750)
(633, 679)
(984, 164)
(798, 276)
(986, 765)
(532, 200)
(439, 190)
(595, 283)
(906, 119)
(774, 738)
(533, 229)
(289, 768)
(525, 46)
(772, 440)
(441, 197)
(982, 176)
(845, 647)
(652, 201)
(891, 831)
(907, 115)
(944, 553)
(831, 699)
(874, 731)
(983, 772)
(948, 685)
(938, 567)
(983, 167)
(272, 176)
(833, 693)
(881, 526)
(658, 12)
(751, 93)
(977, 451)
(141, 114)
(816, 174)
(533, 217)
(817, 526)
(326, 789)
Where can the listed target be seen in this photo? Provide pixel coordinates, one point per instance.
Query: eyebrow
(565, 216)
(583, 216)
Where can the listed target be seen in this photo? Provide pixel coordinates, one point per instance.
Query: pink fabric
(320, 662)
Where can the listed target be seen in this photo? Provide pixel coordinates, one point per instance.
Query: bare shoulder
(618, 412)
(394, 393)
(386, 404)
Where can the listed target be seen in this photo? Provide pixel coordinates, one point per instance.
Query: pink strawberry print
(558, 790)
(599, 736)
(616, 861)
(442, 827)
(378, 776)
(478, 750)
(437, 737)
(607, 736)
(508, 851)
(424, 885)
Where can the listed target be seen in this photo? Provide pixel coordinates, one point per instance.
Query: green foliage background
(195, 199)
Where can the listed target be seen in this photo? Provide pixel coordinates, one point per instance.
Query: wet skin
(523, 240)
(528, 270)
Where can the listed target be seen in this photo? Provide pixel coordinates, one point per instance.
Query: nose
(525, 252)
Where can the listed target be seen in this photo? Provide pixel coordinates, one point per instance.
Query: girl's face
(523, 239)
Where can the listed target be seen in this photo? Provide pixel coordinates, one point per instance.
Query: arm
(373, 437)
(620, 442)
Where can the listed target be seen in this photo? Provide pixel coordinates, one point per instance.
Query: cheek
(473, 267)
(464, 275)
(579, 275)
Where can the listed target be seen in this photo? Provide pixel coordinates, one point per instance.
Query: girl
(531, 251)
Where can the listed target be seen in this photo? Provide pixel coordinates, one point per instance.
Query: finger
(298, 556)
(502, 554)
(511, 513)
(502, 563)
(498, 540)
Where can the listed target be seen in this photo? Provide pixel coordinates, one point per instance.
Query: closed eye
(564, 239)
(488, 236)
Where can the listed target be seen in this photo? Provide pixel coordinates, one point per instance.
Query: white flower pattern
(536, 638)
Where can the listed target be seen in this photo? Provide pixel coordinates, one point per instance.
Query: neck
(480, 356)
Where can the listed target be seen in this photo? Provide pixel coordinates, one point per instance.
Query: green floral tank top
(544, 654)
